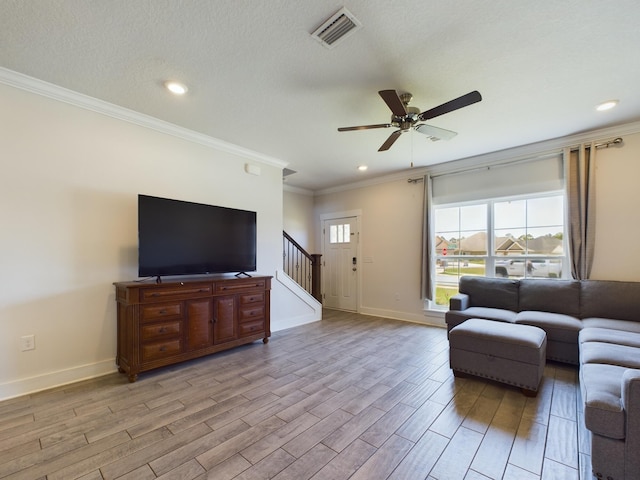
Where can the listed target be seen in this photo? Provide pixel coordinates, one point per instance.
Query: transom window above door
(340, 233)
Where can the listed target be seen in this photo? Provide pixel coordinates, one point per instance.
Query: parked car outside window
(529, 268)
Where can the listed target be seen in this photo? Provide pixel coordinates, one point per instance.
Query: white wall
(392, 216)
(298, 218)
(617, 255)
(68, 213)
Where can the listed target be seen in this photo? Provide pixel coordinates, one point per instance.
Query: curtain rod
(600, 144)
(608, 143)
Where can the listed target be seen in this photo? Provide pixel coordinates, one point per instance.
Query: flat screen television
(176, 237)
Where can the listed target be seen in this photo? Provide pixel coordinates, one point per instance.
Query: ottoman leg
(529, 393)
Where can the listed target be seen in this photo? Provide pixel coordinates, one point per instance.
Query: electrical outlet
(28, 342)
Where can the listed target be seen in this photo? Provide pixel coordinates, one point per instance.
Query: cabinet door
(224, 319)
(199, 324)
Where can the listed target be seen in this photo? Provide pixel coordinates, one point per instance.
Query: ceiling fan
(405, 117)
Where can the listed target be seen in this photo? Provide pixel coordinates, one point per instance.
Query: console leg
(265, 340)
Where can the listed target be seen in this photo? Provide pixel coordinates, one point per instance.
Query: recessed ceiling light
(608, 105)
(362, 168)
(176, 88)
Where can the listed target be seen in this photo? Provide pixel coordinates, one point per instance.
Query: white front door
(341, 263)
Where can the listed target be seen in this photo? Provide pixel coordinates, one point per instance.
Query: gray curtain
(427, 247)
(580, 177)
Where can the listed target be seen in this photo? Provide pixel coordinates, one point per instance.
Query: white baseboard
(423, 318)
(26, 386)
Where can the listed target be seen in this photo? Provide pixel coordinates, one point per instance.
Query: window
(512, 237)
(340, 233)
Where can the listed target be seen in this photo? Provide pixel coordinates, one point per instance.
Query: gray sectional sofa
(594, 324)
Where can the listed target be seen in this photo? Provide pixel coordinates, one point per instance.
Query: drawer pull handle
(162, 330)
(163, 348)
(162, 312)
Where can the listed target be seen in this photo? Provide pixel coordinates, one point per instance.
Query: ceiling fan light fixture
(608, 105)
(176, 88)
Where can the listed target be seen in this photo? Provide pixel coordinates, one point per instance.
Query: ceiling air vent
(337, 28)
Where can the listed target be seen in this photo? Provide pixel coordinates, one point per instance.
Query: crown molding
(531, 150)
(61, 94)
(553, 146)
(405, 174)
(298, 190)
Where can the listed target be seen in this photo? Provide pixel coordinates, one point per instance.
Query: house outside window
(512, 237)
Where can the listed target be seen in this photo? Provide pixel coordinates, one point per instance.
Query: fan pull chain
(411, 148)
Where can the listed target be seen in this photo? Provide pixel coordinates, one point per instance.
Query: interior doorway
(341, 238)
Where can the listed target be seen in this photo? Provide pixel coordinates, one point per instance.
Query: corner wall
(298, 218)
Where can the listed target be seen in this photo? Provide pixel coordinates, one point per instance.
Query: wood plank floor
(351, 396)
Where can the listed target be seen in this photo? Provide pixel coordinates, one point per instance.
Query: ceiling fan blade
(435, 133)
(392, 138)
(393, 101)
(460, 102)
(364, 127)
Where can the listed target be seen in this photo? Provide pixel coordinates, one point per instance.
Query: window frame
(491, 259)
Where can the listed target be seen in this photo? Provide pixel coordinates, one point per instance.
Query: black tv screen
(184, 238)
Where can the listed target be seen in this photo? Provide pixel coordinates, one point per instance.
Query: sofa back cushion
(556, 296)
(491, 292)
(610, 299)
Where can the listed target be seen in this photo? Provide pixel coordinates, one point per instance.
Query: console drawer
(155, 351)
(251, 313)
(164, 310)
(154, 331)
(251, 328)
(233, 286)
(252, 298)
(176, 292)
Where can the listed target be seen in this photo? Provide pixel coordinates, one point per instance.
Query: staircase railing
(304, 268)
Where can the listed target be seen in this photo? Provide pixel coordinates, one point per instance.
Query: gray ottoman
(505, 352)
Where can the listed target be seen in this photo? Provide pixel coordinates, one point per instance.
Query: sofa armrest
(631, 405)
(460, 301)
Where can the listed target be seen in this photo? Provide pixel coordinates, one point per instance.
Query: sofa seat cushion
(605, 335)
(559, 327)
(490, 314)
(601, 387)
(624, 325)
(610, 354)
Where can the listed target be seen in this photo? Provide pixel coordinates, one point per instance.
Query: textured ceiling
(257, 79)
